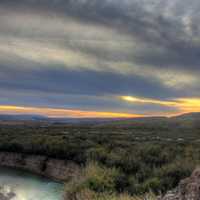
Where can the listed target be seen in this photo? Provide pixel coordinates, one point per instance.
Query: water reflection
(19, 185)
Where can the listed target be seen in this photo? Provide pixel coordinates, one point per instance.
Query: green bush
(171, 174)
(130, 163)
(152, 184)
(100, 178)
(134, 186)
(98, 154)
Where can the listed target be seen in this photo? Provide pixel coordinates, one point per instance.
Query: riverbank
(19, 184)
(56, 169)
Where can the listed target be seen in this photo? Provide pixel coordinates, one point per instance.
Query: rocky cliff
(188, 189)
(59, 170)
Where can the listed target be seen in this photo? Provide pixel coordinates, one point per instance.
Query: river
(20, 185)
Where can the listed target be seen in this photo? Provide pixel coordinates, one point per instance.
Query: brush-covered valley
(119, 159)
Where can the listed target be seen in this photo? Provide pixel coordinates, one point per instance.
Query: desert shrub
(144, 172)
(98, 154)
(152, 184)
(100, 178)
(130, 163)
(122, 183)
(95, 183)
(90, 195)
(134, 185)
(115, 158)
(171, 174)
(13, 147)
(125, 196)
(154, 155)
(76, 190)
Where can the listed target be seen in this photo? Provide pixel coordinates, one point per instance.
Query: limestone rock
(188, 189)
(6, 193)
(52, 168)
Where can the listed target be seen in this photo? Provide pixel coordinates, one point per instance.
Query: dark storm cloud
(79, 90)
(63, 81)
(180, 48)
(74, 52)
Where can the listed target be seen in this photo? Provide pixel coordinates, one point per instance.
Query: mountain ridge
(192, 116)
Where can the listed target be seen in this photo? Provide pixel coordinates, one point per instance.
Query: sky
(99, 58)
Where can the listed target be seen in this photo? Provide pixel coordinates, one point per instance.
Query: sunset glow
(52, 112)
(182, 104)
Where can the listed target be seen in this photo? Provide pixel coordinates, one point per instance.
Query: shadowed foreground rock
(188, 189)
(6, 194)
(7, 197)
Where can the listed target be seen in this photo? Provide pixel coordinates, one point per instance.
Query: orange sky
(181, 105)
(53, 112)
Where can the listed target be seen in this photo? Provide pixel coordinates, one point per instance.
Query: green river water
(20, 185)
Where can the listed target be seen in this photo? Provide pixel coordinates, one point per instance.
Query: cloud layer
(86, 54)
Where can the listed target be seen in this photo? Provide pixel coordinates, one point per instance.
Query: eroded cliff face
(59, 170)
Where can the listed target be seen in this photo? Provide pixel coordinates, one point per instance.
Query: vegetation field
(124, 157)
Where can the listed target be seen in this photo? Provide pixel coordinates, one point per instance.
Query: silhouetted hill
(184, 119)
(4, 117)
(40, 118)
(188, 116)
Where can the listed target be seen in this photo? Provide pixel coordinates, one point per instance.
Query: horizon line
(63, 112)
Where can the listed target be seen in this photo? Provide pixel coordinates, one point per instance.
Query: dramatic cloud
(86, 54)
(184, 104)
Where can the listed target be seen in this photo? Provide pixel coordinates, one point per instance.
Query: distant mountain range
(188, 116)
(40, 118)
(4, 117)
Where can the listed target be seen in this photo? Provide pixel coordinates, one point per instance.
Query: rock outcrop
(59, 170)
(6, 194)
(188, 189)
